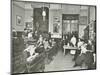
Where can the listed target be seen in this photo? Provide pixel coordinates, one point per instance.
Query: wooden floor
(61, 62)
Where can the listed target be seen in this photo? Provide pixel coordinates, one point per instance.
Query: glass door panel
(66, 26)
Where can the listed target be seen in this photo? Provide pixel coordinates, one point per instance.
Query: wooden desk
(69, 48)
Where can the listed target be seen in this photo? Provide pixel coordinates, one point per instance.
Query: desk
(69, 48)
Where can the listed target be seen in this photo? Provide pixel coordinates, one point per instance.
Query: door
(70, 24)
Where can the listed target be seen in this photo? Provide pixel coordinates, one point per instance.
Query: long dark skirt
(80, 59)
(85, 58)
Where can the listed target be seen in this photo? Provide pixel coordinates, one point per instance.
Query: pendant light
(44, 13)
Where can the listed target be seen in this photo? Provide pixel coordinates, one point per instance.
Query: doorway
(70, 25)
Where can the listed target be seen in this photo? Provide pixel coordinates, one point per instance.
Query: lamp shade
(43, 13)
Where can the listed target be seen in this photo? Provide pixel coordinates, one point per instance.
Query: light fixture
(44, 13)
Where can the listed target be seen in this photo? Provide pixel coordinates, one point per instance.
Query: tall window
(70, 23)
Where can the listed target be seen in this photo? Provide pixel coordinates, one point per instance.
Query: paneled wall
(92, 13)
(17, 10)
(70, 9)
(28, 15)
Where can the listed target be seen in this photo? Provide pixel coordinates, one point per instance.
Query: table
(69, 48)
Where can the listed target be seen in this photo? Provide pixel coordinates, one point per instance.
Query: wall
(83, 24)
(92, 13)
(66, 9)
(28, 15)
(17, 10)
(69, 9)
(81, 30)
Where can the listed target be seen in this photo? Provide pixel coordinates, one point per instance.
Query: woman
(46, 44)
(40, 40)
(79, 44)
(82, 56)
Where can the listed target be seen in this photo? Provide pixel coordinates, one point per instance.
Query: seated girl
(53, 42)
(46, 44)
(86, 57)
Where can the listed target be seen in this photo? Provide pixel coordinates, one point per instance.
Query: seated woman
(50, 42)
(30, 35)
(46, 44)
(89, 55)
(47, 48)
(31, 53)
(53, 42)
(89, 45)
(86, 57)
(40, 41)
(79, 44)
(81, 57)
(36, 36)
(40, 45)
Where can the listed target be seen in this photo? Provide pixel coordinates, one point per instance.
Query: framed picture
(56, 21)
(18, 20)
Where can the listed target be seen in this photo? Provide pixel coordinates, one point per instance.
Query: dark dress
(89, 59)
(80, 59)
(86, 58)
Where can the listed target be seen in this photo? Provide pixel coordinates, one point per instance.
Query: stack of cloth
(32, 54)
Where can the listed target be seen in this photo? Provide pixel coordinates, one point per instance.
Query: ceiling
(31, 5)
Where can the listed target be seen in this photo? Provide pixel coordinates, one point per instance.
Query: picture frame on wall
(18, 20)
(56, 21)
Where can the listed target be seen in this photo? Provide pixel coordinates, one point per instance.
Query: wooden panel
(18, 65)
(70, 16)
(39, 24)
(83, 20)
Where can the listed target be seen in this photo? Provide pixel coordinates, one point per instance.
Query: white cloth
(73, 40)
(29, 59)
(46, 45)
(79, 44)
(29, 35)
(30, 49)
(40, 39)
(53, 43)
(83, 49)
